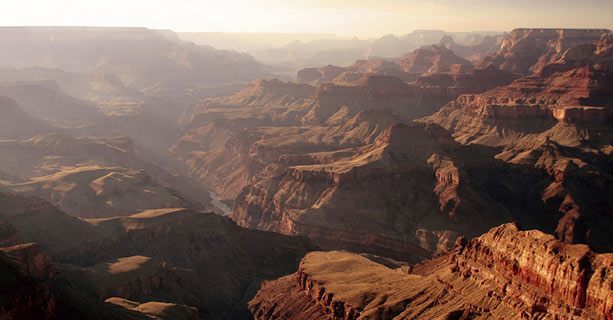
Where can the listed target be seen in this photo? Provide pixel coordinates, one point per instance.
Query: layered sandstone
(526, 51)
(574, 90)
(545, 274)
(415, 176)
(228, 141)
(557, 121)
(505, 273)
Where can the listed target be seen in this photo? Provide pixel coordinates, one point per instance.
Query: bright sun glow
(346, 17)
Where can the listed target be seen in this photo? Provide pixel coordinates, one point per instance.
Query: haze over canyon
(147, 173)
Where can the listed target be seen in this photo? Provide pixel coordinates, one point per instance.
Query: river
(216, 201)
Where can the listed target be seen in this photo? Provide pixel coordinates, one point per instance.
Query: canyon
(434, 175)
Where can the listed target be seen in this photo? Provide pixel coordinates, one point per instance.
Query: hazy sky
(344, 17)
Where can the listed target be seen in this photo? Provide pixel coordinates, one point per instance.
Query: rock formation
(434, 59)
(138, 56)
(33, 289)
(195, 259)
(504, 273)
(46, 100)
(473, 52)
(15, 123)
(526, 51)
(413, 177)
(93, 177)
(229, 140)
(558, 121)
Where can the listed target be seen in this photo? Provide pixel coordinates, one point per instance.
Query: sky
(362, 18)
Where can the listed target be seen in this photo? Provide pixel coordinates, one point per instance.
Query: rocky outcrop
(554, 121)
(228, 141)
(526, 51)
(546, 275)
(430, 61)
(477, 81)
(156, 255)
(127, 277)
(415, 177)
(434, 59)
(32, 288)
(94, 191)
(573, 90)
(505, 273)
(30, 259)
(373, 92)
(29, 219)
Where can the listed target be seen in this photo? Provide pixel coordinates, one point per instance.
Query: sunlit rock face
(504, 273)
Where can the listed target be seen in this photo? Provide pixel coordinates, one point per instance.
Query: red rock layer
(525, 51)
(546, 274)
(574, 90)
(506, 273)
(411, 175)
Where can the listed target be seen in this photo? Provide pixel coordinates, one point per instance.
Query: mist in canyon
(214, 160)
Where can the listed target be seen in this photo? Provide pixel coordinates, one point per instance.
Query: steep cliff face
(525, 51)
(569, 101)
(506, 273)
(412, 175)
(547, 275)
(563, 96)
(557, 121)
(229, 141)
(477, 81)
(373, 92)
(21, 297)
